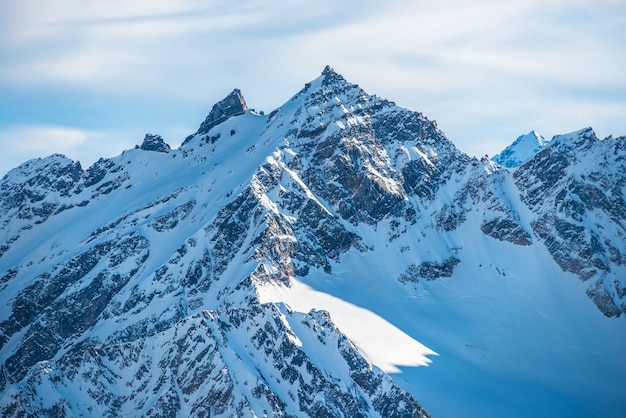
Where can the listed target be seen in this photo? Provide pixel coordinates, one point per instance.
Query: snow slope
(510, 342)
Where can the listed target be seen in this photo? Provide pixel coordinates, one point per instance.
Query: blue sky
(90, 78)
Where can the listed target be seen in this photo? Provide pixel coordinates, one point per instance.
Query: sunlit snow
(380, 342)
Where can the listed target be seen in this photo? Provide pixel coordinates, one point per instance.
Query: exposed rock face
(574, 189)
(154, 143)
(68, 310)
(35, 191)
(232, 105)
(196, 366)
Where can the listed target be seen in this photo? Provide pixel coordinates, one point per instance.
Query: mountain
(336, 257)
(524, 147)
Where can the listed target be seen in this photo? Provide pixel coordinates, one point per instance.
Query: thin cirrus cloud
(47, 139)
(487, 71)
(22, 143)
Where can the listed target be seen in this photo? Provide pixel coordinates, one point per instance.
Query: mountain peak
(524, 147)
(243, 275)
(328, 70)
(331, 77)
(232, 105)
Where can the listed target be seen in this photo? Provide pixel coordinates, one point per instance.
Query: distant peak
(539, 138)
(232, 105)
(154, 143)
(532, 138)
(524, 147)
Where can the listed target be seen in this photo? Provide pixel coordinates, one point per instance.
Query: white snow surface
(380, 342)
(516, 343)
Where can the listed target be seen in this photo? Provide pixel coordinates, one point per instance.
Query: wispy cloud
(44, 139)
(22, 143)
(486, 70)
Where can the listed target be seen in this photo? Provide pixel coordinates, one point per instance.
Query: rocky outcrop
(429, 270)
(200, 365)
(154, 143)
(232, 105)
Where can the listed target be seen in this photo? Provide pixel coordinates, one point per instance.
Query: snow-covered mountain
(311, 262)
(520, 151)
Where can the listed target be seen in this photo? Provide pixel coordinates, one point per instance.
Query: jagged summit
(577, 138)
(232, 105)
(524, 147)
(154, 143)
(331, 77)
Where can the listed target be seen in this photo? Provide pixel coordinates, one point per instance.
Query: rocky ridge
(575, 194)
(119, 294)
(232, 105)
(154, 301)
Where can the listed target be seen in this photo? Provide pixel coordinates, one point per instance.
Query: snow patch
(380, 342)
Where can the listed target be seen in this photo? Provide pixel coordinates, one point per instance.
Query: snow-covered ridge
(160, 276)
